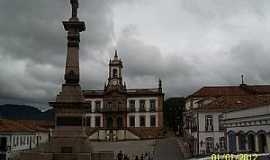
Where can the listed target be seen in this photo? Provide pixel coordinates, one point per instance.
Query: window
(221, 122)
(114, 73)
(132, 105)
(109, 106)
(222, 144)
(142, 105)
(242, 141)
(97, 121)
(209, 123)
(132, 121)
(153, 121)
(98, 106)
(232, 141)
(142, 121)
(152, 105)
(14, 139)
(34, 139)
(119, 106)
(194, 125)
(66, 149)
(209, 145)
(88, 121)
(17, 141)
(90, 106)
(27, 140)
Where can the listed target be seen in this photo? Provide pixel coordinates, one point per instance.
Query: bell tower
(115, 73)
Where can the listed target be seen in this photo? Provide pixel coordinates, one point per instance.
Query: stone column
(246, 139)
(268, 142)
(256, 143)
(237, 143)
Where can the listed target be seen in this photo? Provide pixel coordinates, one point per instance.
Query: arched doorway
(242, 141)
(232, 142)
(262, 142)
(251, 142)
(109, 122)
(119, 122)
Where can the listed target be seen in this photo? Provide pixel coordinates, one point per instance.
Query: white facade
(19, 141)
(137, 102)
(248, 130)
(203, 133)
(137, 119)
(93, 112)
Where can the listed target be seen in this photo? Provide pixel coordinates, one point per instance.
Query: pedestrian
(145, 155)
(142, 158)
(136, 158)
(120, 155)
(125, 157)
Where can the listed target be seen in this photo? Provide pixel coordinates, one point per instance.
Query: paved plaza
(161, 149)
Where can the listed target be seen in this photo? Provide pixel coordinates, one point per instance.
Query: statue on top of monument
(75, 6)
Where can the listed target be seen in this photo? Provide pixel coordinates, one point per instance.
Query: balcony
(131, 109)
(114, 109)
(194, 129)
(152, 109)
(209, 128)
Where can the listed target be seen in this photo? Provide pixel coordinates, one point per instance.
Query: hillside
(24, 112)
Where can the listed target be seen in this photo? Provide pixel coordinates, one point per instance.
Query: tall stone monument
(69, 135)
(69, 141)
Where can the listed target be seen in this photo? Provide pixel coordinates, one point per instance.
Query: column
(246, 139)
(268, 142)
(237, 143)
(256, 143)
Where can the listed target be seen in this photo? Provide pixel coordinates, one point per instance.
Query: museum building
(118, 113)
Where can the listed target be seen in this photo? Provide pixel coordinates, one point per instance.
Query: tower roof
(115, 54)
(116, 60)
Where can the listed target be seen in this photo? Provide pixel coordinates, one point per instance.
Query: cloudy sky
(186, 43)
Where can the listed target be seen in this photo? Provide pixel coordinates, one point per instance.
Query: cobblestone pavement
(131, 148)
(162, 149)
(168, 149)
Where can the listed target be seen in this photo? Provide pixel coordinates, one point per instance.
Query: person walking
(120, 155)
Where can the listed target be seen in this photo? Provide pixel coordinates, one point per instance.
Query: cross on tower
(75, 6)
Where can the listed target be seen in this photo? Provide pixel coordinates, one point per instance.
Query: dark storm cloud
(188, 44)
(33, 45)
(144, 64)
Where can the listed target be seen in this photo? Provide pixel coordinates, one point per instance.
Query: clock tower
(115, 74)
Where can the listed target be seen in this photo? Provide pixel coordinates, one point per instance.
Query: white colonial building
(16, 137)
(248, 130)
(204, 119)
(118, 113)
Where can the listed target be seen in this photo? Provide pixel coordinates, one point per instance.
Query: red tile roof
(242, 90)
(42, 126)
(13, 126)
(228, 103)
(23, 126)
(259, 89)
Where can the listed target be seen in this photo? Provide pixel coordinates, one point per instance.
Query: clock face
(114, 82)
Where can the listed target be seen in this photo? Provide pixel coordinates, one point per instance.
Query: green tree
(173, 112)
